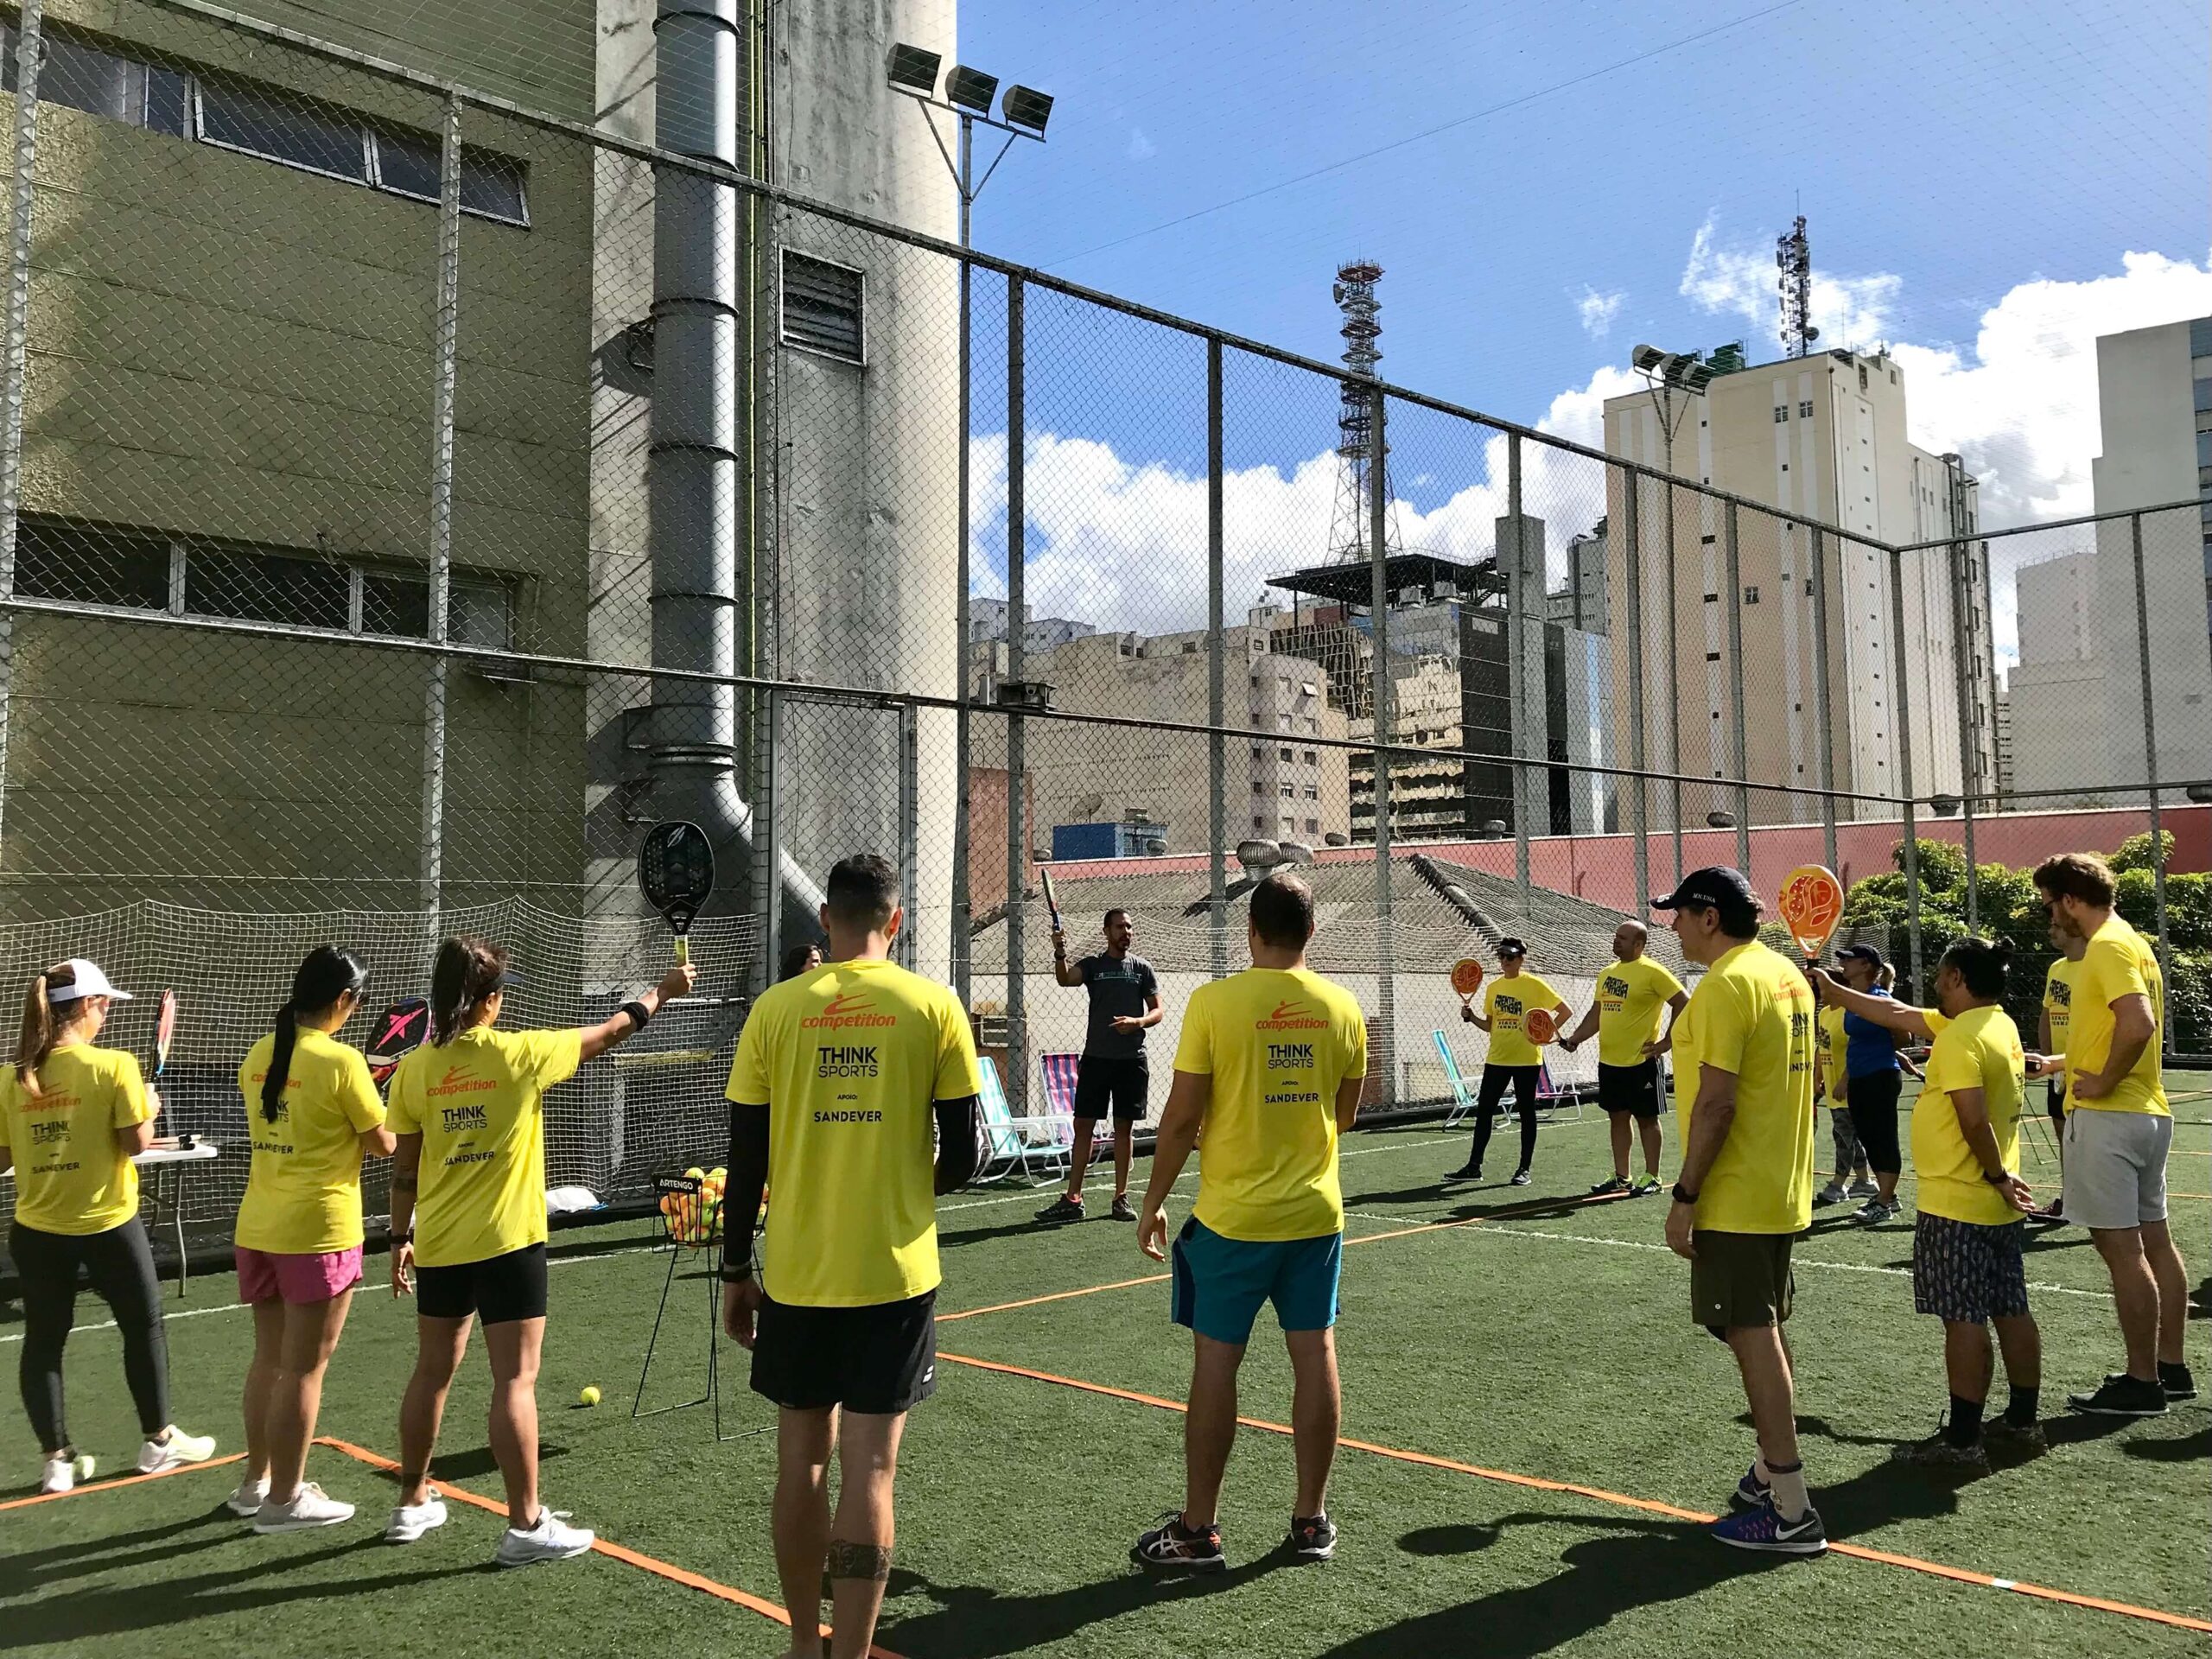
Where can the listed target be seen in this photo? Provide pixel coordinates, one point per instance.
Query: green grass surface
(1555, 1342)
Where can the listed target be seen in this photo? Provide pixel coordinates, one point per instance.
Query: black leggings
(1873, 1100)
(120, 1264)
(1489, 1092)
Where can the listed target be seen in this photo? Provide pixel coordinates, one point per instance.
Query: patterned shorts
(1967, 1273)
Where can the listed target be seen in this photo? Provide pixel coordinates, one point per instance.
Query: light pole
(912, 71)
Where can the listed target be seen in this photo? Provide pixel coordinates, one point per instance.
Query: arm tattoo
(851, 1560)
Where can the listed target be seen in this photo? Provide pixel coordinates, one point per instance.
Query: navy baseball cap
(1712, 887)
(1511, 947)
(1868, 954)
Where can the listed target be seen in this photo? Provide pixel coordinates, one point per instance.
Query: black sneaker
(1123, 1209)
(2176, 1381)
(1938, 1451)
(2122, 1395)
(1645, 1188)
(1466, 1173)
(2051, 1215)
(1610, 1185)
(1312, 1537)
(1520, 1177)
(2021, 1440)
(1173, 1544)
(1061, 1209)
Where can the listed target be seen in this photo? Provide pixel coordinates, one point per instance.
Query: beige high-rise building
(1823, 436)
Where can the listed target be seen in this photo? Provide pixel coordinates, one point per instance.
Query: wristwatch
(1682, 1197)
(1998, 1178)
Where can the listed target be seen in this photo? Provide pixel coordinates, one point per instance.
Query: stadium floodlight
(2201, 793)
(1025, 106)
(1646, 360)
(970, 89)
(1944, 806)
(912, 68)
(1721, 820)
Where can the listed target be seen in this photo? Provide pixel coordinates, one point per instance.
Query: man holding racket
(1631, 994)
(1519, 1011)
(1112, 1077)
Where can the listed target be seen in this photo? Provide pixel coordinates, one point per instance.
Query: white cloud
(1849, 311)
(1141, 148)
(1596, 311)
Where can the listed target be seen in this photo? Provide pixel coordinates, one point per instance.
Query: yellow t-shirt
(70, 1177)
(1506, 1003)
(1981, 1049)
(2058, 999)
(2119, 962)
(479, 1104)
(1276, 1042)
(304, 1188)
(1631, 995)
(848, 1060)
(1829, 1040)
(1752, 1015)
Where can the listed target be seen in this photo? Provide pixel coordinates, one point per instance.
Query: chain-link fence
(409, 494)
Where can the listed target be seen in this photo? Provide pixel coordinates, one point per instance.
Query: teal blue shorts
(1221, 1283)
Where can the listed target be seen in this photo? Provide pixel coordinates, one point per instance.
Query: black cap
(1717, 887)
(1866, 953)
(1510, 946)
(510, 979)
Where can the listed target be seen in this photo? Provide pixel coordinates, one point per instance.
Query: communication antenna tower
(1793, 258)
(1358, 477)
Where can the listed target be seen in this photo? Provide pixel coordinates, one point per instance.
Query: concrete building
(2154, 400)
(1279, 783)
(1825, 436)
(2061, 751)
(2005, 785)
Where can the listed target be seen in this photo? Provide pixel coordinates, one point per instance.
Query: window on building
(1257, 751)
(409, 165)
(1288, 754)
(1781, 413)
(1256, 785)
(92, 565)
(1805, 408)
(1313, 792)
(823, 307)
(260, 587)
(1313, 826)
(1290, 793)
(1312, 758)
(294, 133)
(1751, 594)
(1261, 823)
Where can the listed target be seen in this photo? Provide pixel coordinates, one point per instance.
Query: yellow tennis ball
(590, 1395)
(695, 1173)
(86, 1466)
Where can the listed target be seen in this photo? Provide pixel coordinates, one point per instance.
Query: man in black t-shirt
(1111, 1078)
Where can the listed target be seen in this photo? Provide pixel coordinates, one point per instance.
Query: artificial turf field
(1536, 1340)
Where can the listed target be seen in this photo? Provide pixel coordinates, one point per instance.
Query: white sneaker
(410, 1521)
(1862, 1188)
(60, 1474)
(1833, 1192)
(551, 1540)
(313, 1507)
(246, 1503)
(174, 1450)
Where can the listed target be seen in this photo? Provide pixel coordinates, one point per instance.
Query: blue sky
(1989, 185)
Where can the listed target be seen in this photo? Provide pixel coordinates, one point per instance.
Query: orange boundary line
(1858, 1552)
(1506, 1214)
(628, 1557)
(124, 1480)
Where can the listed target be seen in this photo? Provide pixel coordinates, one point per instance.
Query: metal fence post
(1962, 693)
(769, 836)
(1384, 1055)
(29, 50)
(1217, 691)
(1823, 715)
(909, 819)
(1640, 797)
(1741, 758)
(1901, 711)
(1674, 692)
(1517, 665)
(1017, 828)
(2150, 773)
(962, 921)
(441, 463)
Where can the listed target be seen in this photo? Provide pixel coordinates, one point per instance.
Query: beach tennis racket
(164, 1033)
(1539, 1026)
(1811, 902)
(676, 872)
(398, 1031)
(1051, 898)
(1466, 977)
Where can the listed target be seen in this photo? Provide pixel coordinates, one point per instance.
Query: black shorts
(881, 1359)
(1740, 1281)
(498, 1290)
(1632, 1088)
(1112, 1085)
(2054, 1100)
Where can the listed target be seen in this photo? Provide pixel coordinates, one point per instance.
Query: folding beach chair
(1463, 1098)
(1011, 1143)
(1059, 1072)
(1551, 1094)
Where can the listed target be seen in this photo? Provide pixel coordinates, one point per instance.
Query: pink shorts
(268, 1276)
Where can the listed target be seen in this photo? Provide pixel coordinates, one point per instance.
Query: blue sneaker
(1751, 1491)
(1764, 1529)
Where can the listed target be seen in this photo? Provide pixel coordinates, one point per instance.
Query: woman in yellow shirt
(314, 1115)
(468, 1207)
(74, 1116)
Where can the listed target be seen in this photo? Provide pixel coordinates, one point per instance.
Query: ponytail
(40, 1027)
(326, 974)
(466, 973)
(1886, 976)
(1982, 964)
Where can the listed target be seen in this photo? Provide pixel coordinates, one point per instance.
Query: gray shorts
(2116, 1168)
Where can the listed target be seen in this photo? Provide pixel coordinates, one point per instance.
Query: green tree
(2134, 853)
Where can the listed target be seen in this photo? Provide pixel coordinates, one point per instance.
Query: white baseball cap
(89, 982)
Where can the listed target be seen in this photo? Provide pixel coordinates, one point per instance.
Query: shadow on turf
(2188, 1448)
(1507, 1206)
(977, 1622)
(99, 1609)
